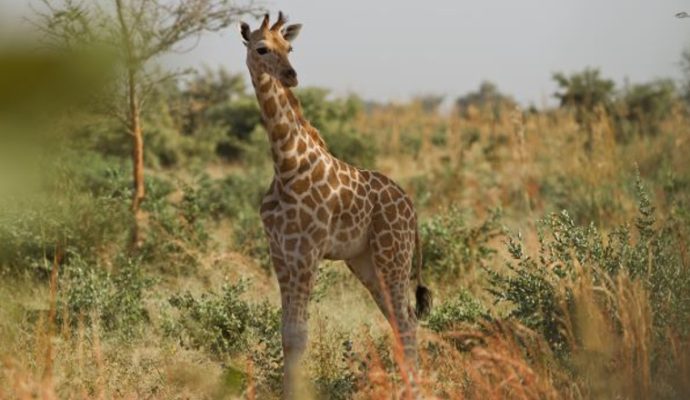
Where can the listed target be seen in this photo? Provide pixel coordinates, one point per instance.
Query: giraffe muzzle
(289, 77)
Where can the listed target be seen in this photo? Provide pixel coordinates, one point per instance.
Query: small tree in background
(487, 98)
(685, 69)
(584, 92)
(646, 105)
(135, 33)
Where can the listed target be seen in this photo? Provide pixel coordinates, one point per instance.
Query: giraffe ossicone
(319, 207)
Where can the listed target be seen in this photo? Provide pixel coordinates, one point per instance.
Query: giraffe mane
(308, 127)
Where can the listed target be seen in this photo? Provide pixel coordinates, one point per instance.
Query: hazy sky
(390, 50)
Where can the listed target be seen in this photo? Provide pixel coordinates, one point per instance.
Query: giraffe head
(268, 48)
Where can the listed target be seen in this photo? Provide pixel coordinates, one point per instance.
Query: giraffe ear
(244, 31)
(290, 32)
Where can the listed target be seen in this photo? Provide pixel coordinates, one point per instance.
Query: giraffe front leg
(296, 279)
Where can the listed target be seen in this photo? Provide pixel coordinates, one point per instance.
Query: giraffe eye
(262, 50)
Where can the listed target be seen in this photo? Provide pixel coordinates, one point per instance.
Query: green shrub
(449, 246)
(647, 105)
(117, 299)
(221, 324)
(82, 206)
(462, 308)
(650, 252)
(215, 323)
(237, 197)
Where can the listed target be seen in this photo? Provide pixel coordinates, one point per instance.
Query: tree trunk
(137, 162)
(134, 127)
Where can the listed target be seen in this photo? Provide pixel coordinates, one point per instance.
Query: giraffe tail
(423, 295)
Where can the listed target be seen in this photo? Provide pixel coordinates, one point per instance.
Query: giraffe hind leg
(389, 288)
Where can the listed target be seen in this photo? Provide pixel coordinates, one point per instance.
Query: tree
(136, 33)
(487, 98)
(584, 91)
(685, 69)
(647, 104)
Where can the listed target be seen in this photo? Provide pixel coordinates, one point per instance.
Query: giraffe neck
(291, 136)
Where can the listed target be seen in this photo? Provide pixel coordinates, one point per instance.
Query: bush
(462, 308)
(80, 206)
(116, 299)
(221, 324)
(648, 253)
(224, 325)
(237, 197)
(645, 106)
(449, 246)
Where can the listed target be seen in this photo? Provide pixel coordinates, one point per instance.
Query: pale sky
(391, 50)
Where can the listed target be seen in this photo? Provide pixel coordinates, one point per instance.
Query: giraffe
(319, 207)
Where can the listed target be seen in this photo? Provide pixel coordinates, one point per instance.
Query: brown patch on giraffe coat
(360, 190)
(332, 178)
(385, 197)
(291, 213)
(282, 100)
(316, 193)
(301, 146)
(270, 107)
(346, 219)
(304, 245)
(390, 212)
(304, 219)
(376, 184)
(304, 166)
(322, 215)
(280, 131)
(325, 190)
(291, 228)
(318, 172)
(266, 86)
(288, 145)
(333, 204)
(344, 178)
(300, 186)
(268, 206)
(288, 164)
(291, 244)
(346, 196)
(268, 221)
(319, 235)
(287, 197)
(305, 277)
(379, 223)
(309, 201)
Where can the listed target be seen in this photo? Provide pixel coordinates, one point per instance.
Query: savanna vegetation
(556, 240)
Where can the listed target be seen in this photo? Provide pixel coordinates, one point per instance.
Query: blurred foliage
(584, 91)
(450, 247)
(460, 310)
(487, 99)
(645, 106)
(654, 257)
(334, 118)
(225, 324)
(685, 69)
(116, 299)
